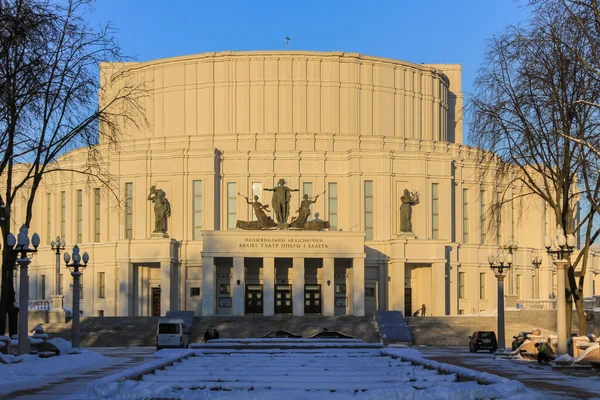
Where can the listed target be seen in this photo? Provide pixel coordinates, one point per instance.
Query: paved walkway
(59, 386)
(556, 383)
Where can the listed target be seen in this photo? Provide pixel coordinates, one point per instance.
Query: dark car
(483, 340)
(330, 335)
(280, 335)
(519, 339)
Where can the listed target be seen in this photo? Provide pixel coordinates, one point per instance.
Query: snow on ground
(324, 373)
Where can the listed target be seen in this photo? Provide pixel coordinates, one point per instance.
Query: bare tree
(52, 101)
(531, 92)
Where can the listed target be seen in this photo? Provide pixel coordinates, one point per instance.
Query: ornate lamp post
(20, 245)
(536, 260)
(500, 265)
(76, 273)
(57, 298)
(559, 248)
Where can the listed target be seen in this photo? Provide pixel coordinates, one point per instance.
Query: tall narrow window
(42, 287)
(482, 216)
(96, 215)
(197, 205)
(48, 217)
(369, 210)
(63, 216)
(465, 212)
(231, 205)
(129, 210)
(332, 204)
(519, 286)
(461, 285)
(554, 285)
(308, 190)
(435, 211)
(101, 285)
(79, 195)
(498, 215)
(482, 286)
(513, 219)
(256, 191)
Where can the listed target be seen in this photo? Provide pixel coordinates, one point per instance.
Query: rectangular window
(63, 216)
(101, 285)
(96, 215)
(42, 287)
(60, 284)
(435, 211)
(465, 212)
(513, 217)
(369, 210)
(49, 217)
(482, 286)
(79, 194)
(129, 210)
(332, 204)
(482, 216)
(461, 285)
(194, 291)
(231, 205)
(308, 190)
(519, 286)
(197, 209)
(256, 191)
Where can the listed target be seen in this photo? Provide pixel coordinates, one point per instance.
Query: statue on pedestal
(281, 201)
(162, 209)
(408, 200)
(303, 212)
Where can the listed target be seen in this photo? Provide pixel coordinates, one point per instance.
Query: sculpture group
(280, 203)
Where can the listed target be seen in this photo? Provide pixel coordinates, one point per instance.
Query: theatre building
(401, 218)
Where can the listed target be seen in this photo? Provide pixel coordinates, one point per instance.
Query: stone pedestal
(56, 303)
(510, 300)
(159, 235)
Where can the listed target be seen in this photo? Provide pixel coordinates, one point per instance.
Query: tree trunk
(7, 295)
(582, 322)
(569, 304)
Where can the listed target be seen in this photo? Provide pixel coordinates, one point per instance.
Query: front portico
(283, 272)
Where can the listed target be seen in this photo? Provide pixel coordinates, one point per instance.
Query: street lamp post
(560, 247)
(57, 298)
(20, 245)
(76, 274)
(536, 260)
(500, 265)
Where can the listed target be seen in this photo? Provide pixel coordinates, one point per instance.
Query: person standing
(423, 310)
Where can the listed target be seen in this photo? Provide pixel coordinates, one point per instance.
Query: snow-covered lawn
(304, 373)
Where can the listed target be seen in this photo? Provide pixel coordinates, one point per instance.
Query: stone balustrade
(537, 304)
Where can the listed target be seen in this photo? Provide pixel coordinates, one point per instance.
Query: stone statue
(408, 200)
(281, 201)
(264, 220)
(303, 212)
(162, 209)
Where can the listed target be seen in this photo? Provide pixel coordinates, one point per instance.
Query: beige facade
(361, 129)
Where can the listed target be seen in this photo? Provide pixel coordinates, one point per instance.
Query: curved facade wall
(361, 129)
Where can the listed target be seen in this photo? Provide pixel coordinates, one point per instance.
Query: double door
(283, 299)
(254, 299)
(312, 299)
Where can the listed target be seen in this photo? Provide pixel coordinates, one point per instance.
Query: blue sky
(434, 31)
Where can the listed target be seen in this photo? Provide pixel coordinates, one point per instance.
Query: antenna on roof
(287, 41)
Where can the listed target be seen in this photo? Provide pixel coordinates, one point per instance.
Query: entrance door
(254, 299)
(312, 299)
(283, 299)
(408, 302)
(156, 302)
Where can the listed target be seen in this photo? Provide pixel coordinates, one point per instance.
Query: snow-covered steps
(287, 344)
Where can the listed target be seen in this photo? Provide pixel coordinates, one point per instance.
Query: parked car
(483, 340)
(281, 334)
(519, 339)
(330, 335)
(171, 332)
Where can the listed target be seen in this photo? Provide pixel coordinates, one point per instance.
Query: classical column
(268, 286)
(328, 286)
(125, 289)
(358, 286)
(438, 289)
(238, 289)
(561, 308)
(395, 282)
(208, 286)
(298, 286)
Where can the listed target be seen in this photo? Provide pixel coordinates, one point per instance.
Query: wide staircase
(141, 331)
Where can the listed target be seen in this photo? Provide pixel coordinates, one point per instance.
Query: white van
(171, 332)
